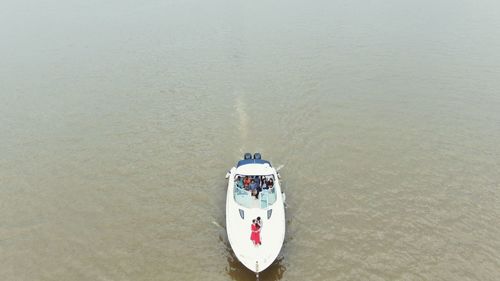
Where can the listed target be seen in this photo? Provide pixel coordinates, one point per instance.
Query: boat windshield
(245, 185)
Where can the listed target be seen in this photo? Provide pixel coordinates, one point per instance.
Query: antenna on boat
(257, 270)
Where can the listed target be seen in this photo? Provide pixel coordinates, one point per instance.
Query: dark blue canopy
(252, 161)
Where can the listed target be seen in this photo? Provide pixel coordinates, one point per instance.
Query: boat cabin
(244, 184)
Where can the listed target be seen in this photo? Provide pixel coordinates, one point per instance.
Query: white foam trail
(216, 224)
(243, 118)
(280, 167)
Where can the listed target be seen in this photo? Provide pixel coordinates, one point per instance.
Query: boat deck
(245, 198)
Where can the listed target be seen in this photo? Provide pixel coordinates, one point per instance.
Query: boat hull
(255, 257)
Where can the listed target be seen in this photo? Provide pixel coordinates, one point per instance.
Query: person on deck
(246, 182)
(270, 183)
(263, 182)
(239, 182)
(254, 188)
(255, 236)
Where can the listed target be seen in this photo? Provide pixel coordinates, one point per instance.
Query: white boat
(242, 208)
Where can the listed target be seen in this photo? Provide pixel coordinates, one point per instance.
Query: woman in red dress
(255, 237)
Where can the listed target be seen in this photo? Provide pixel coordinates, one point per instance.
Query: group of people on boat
(255, 236)
(255, 184)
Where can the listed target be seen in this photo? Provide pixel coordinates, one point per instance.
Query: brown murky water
(119, 120)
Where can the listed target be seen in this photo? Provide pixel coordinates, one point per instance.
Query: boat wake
(243, 119)
(280, 167)
(217, 224)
